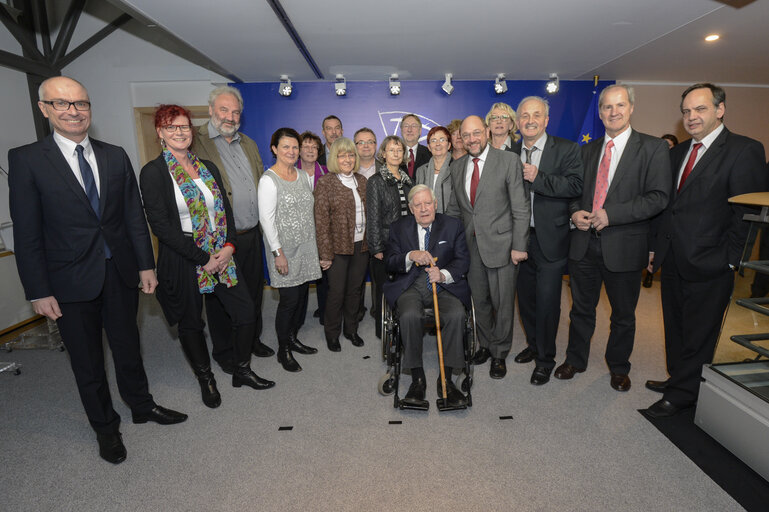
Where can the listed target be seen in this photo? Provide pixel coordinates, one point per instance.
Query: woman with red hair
(188, 211)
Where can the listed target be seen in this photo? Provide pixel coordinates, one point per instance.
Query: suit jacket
(442, 188)
(499, 222)
(705, 231)
(59, 240)
(422, 157)
(335, 216)
(447, 243)
(638, 191)
(558, 182)
(205, 149)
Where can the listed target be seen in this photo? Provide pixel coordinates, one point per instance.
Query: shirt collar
(68, 146)
(483, 154)
(214, 133)
(539, 143)
(708, 139)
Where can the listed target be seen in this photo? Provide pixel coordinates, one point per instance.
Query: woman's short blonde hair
(383, 148)
(454, 125)
(509, 111)
(341, 145)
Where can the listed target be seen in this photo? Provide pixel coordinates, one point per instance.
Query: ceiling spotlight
(447, 87)
(340, 86)
(395, 85)
(500, 86)
(285, 87)
(712, 37)
(553, 84)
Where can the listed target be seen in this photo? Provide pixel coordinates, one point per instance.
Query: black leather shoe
(246, 377)
(286, 358)
(262, 350)
(298, 346)
(416, 393)
(664, 409)
(481, 356)
(210, 394)
(540, 375)
(497, 369)
(355, 339)
(526, 355)
(620, 381)
(333, 344)
(111, 447)
(567, 371)
(647, 282)
(658, 386)
(160, 415)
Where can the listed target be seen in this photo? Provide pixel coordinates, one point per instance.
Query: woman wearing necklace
(340, 224)
(188, 211)
(386, 193)
(435, 173)
(286, 217)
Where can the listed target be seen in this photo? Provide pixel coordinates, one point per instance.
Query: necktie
(427, 244)
(602, 179)
(689, 164)
(411, 163)
(90, 188)
(528, 154)
(474, 180)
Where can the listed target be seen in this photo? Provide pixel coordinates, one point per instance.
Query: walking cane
(440, 341)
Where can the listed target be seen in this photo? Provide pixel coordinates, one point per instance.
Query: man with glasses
(82, 246)
(365, 145)
(237, 157)
(489, 196)
(417, 154)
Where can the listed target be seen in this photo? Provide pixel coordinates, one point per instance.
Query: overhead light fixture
(447, 87)
(395, 85)
(285, 87)
(340, 86)
(553, 85)
(712, 37)
(500, 86)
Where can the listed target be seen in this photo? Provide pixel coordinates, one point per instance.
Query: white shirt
(360, 216)
(414, 149)
(184, 211)
(469, 170)
(447, 279)
(507, 144)
(67, 148)
(368, 172)
(620, 141)
(536, 158)
(706, 141)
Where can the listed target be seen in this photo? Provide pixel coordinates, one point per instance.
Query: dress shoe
(226, 365)
(316, 313)
(497, 369)
(416, 393)
(210, 394)
(454, 397)
(664, 409)
(298, 346)
(355, 339)
(647, 282)
(262, 350)
(159, 415)
(526, 355)
(333, 344)
(286, 358)
(620, 381)
(566, 371)
(540, 375)
(481, 356)
(658, 386)
(111, 447)
(244, 376)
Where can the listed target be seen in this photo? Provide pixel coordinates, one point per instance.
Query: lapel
(413, 234)
(591, 169)
(435, 235)
(488, 170)
(102, 164)
(700, 170)
(626, 162)
(463, 201)
(60, 167)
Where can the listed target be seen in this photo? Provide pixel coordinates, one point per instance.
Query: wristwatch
(276, 253)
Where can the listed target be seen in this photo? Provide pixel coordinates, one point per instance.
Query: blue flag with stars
(592, 127)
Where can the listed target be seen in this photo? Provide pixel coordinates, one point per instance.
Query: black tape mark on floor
(395, 422)
(286, 428)
(366, 357)
(505, 417)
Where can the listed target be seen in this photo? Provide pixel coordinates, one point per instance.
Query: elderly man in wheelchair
(424, 249)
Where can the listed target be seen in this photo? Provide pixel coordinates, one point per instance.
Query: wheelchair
(392, 346)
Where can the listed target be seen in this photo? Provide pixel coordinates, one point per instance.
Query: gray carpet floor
(570, 445)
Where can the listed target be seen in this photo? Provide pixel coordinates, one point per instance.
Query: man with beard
(237, 157)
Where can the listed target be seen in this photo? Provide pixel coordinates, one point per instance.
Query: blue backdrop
(370, 104)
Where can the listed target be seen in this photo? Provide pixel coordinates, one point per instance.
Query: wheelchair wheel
(387, 322)
(386, 385)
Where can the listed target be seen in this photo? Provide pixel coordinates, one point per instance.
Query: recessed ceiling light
(712, 37)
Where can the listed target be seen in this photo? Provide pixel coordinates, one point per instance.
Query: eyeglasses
(475, 134)
(310, 147)
(366, 143)
(62, 106)
(436, 140)
(410, 126)
(172, 128)
(395, 151)
(495, 117)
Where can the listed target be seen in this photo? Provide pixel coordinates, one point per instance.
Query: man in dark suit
(416, 153)
(416, 242)
(489, 196)
(627, 182)
(552, 174)
(699, 240)
(82, 246)
(332, 130)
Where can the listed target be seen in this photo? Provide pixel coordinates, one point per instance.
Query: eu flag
(592, 127)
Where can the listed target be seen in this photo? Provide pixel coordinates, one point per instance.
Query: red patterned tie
(474, 181)
(602, 179)
(411, 163)
(689, 164)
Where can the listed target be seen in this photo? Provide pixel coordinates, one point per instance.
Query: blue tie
(90, 188)
(427, 243)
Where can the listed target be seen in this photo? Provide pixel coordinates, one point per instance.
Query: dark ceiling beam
(24, 36)
(93, 40)
(284, 19)
(67, 29)
(40, 15)
(25, 65)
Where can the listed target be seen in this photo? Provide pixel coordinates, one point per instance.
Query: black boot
(194, 347)
(243, 337)
(298, 346)
(243, 376)
(286, 358)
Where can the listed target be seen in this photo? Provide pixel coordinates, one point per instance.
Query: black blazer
(447, 243)
(59, 239)
(705, 232)
(558, 182)
(639, 190)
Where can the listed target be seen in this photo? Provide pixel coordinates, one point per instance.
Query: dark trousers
(248, 259)
(693, 312)
(411, 318)
(345, 274)
(292, 307)
(81, 325)
(622, 288)
(321, 291)
(539, 301)
(378, 278)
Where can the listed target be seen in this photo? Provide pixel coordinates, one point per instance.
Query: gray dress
(295, 224)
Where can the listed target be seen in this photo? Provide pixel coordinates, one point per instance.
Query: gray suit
(497, 224)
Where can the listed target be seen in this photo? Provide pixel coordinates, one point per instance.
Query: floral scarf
(209, 239)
